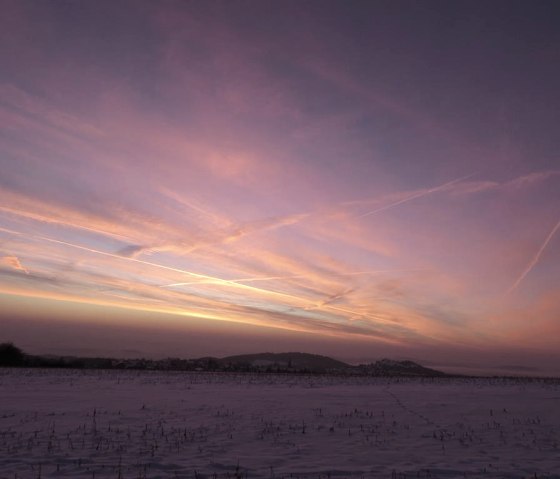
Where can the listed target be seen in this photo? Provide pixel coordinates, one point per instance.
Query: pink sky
(217, 178)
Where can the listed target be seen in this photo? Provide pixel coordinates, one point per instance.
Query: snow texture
(129, 424)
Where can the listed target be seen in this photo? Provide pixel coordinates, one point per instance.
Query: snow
(151, 424)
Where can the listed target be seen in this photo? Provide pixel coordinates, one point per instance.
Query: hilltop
(389, 367)
(291, 361)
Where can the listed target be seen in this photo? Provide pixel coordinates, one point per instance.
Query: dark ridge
(294, 362)
(289, 361)
(389, 367)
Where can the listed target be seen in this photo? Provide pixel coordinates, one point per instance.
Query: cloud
(214, 237)
(14, 263)
(52, 212)
(219, 298)
(530, 179)
(132, 251)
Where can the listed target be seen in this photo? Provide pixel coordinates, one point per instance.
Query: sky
(357, 179)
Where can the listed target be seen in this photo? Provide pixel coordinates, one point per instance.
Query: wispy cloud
(473, 187)
(14, 263)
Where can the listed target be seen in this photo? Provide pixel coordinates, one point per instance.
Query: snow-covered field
(126, 424)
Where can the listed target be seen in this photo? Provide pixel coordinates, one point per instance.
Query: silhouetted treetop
(11, 355)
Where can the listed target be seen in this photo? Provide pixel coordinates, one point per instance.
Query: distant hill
(314, 363)
(389, 367)
(286, 361)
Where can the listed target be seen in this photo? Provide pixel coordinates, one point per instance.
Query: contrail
(295, 276)
(536, 258)
(216, 280)
(149, 263)
(213, 279)
(416, 195)
(12, 232)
